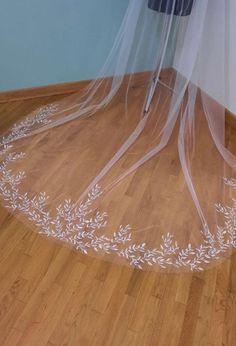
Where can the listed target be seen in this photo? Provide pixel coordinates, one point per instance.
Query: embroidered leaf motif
(79, 225)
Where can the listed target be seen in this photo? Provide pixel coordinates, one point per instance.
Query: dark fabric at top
(181, 7)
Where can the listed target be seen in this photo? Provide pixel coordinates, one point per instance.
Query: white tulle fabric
(130, 173)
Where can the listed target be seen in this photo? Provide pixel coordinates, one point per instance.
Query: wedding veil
(134, 168)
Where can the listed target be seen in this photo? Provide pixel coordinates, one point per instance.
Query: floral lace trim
(74, 224)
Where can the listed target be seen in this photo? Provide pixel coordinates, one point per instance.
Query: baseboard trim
(71, 87)
(230, 119)
(65, 88)
(42, 91)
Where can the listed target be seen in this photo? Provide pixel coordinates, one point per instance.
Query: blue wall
(52, 41)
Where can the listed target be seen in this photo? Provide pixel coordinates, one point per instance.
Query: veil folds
(134, 169)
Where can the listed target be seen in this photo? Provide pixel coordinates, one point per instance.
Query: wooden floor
(51, 295)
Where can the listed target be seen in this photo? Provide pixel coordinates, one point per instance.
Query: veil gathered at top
(134, 169)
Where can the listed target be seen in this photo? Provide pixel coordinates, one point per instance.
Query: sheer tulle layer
(133, 170)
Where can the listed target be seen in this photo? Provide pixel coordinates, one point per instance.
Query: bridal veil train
(134, 169)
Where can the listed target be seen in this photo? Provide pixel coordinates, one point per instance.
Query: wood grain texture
(51, 295)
